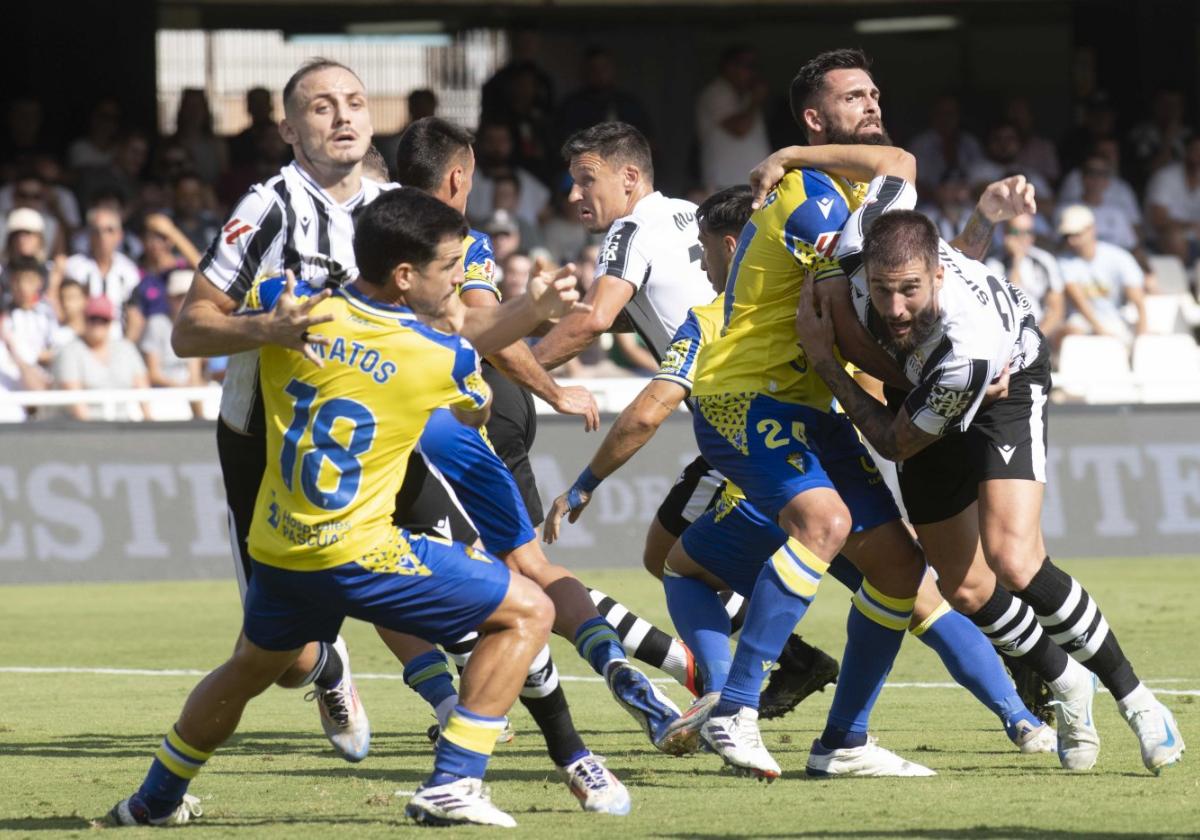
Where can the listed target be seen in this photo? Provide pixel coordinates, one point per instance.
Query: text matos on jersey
(984, 322)
(339, 436)
(788, 240)
(656, 248)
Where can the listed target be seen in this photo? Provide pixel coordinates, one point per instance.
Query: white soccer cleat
(131, 811)
(867, 760)
(342, 714)
(683, 733)
(1078, 740)
(1031, 739)
(465, 801)
(738, 742)
(1158, 734)
(595, 786)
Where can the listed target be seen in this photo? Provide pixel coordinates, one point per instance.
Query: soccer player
(300, 221)
(972, 473)
(322, 541)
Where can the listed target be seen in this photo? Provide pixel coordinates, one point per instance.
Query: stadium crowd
(101, 237)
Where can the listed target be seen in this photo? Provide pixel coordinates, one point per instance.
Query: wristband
(586, 483)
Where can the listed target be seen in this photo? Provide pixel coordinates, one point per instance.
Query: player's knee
(1014, 559)
(531, 610)
(823, 530)
(965, 594)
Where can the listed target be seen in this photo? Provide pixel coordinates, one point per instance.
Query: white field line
(188, 672)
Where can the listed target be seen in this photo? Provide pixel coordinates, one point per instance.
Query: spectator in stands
(172, 160)
(103, 270)
(599, 99)
(122, 177)
(40, 176)
(1173, 205)
(505, 232)
(1002, 159)
(72, 301)
(131, 243)
(269, 154)
(167, 249)
(422, 102)
(23, 125)
(100, 360)
(514, 274)
(562, 233)
(593, 361)
(1159, 140)
(507, 196)
(493, 158)
(25, 235)
(191, 211)
(243, 146)
(97, 146)
(1034, 271)
(194, 131)
(32, 321)
(730, 127)
(1037, 153)
(1098, 123)
(15, 373)
(1118, 194)
(944, 145)
(952, 204)
(1100, 279)
(164, 369)
(535, 146)
(524, 47)
(30, 191)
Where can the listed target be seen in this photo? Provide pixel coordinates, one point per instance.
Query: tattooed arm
(1002, 200)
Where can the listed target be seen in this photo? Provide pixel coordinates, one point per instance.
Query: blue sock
(175, 764)
(874, 630)
(703, 625)
(784, 589)
(599, 644)
(429, 676)
(464, 747)
(971, 660)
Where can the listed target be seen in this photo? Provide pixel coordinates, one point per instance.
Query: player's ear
(812, 120)
(457, 177)
(938, 274)
(402, 276)
(630, 175)
(730, 243)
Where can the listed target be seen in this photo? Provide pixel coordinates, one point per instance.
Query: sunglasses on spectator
(1019, 231)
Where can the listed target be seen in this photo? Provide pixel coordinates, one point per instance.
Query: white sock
(1138, 699)
(1070, 677)
(443, 710)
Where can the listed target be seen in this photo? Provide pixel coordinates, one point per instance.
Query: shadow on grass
(71, 823)
(979, 832)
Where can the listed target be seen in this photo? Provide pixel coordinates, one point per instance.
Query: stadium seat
(1163, 314)
(1095, 369)
(1167, 368)
(1172, 277)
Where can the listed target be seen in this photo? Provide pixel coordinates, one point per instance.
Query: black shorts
(427, 505)
(1006, 439)
(696, 490)
(511, 428)
(243, 461)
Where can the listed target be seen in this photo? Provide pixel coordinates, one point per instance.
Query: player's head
(374, 166)
(904, 275)
(326, 120)
(435, 156)
(835, 100)
(612, 169)
(720, 218)
(411, 245)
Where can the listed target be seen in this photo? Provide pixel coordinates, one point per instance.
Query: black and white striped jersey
(285, 223)
(656, 248)
(984, 322)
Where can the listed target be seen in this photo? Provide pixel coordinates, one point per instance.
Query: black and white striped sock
(643, 640)
(1013, 629)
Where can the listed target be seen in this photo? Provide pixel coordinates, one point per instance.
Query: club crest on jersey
(827, 242)
(948, 402)
(236, 229)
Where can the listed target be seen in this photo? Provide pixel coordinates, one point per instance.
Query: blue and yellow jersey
(700, 326)
(339, 436)
(479, 264)
(788, 240)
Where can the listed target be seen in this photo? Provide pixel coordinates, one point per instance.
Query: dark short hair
(402, 226)
(312, 65)
(374, 165)
(898, 237)
(725, 212)
(20, 265)
(427, 148)
(810, 79)
(616, 142)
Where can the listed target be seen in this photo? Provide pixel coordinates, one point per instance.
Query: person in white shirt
(493, 158)
(1100, 279)
(104, 271)
(1033, 271)
(729, 121)
(1118, 192)
(1173, 205)
(32, 320)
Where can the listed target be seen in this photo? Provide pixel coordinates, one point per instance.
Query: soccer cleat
(464, 801)
(694, 682)
(1078, 740)
(683, 734)
(1158, 734)
(133, 811)
(652, 709)
(803, 669)
(1031, 739)
(738, 742)
(342, 715)
(867, 760)
(595, 786)
(1031, 688)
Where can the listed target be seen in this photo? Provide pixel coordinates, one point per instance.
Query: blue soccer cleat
(652, 709)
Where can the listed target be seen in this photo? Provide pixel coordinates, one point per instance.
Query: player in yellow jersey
(339, 435)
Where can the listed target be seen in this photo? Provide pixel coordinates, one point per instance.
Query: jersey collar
(349, 204)
(351, 291)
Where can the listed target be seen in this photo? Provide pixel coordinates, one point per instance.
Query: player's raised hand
(578, 401)
(555, 293)
(569, 504)
(1008, 198)
(289, 320)
(814, 328)
(764, 177)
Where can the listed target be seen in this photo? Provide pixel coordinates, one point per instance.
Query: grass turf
(71, 744)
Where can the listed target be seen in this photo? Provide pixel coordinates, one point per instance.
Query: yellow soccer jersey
(789, 239)
(339, 436)
(699, 327)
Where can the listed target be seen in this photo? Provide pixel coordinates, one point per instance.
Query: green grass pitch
(72, 743)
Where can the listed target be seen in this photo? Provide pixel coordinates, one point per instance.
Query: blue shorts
(783, 449)
(436, 590)
(733, 542)
(484, 486)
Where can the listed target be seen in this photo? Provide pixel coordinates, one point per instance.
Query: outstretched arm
(858, 163)
(607, 297)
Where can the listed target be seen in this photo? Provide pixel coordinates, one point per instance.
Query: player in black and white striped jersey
(973, 471)
(301, 221)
